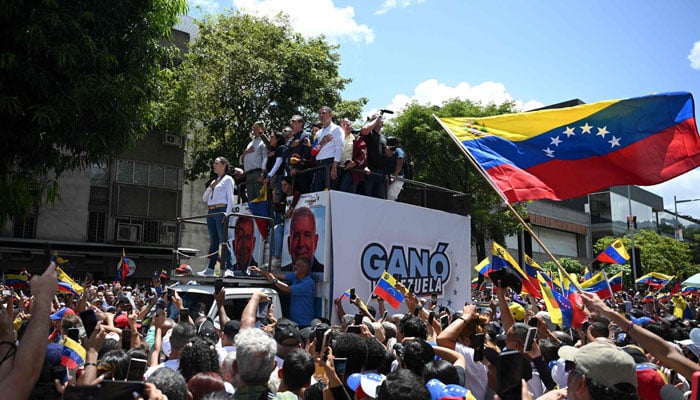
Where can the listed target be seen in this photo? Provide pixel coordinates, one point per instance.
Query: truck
(352, 240)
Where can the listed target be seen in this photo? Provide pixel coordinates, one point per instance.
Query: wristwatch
(274, 281)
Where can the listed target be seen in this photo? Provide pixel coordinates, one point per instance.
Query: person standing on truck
(301, 288)
(303, 239)
(254, 160)
(219, 199)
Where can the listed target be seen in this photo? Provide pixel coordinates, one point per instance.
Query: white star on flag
(556, 141)
(614, 142)
(602, 131)
(549, 152)
(569, 132)
(586, 128)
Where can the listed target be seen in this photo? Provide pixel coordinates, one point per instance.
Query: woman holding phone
(219, 198)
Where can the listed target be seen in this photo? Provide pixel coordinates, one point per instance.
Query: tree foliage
(657, 253)
(76, 84)
(570, 265)
(243, 69)
(439, 161)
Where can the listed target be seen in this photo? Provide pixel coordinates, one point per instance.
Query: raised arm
(25, 366)
(650, 342)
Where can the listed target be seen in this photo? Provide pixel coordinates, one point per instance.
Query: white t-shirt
(475, 374)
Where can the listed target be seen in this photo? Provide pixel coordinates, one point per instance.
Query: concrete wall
(67, 218)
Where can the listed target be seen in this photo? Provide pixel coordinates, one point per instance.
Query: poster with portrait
(247, 242)
(305, 235)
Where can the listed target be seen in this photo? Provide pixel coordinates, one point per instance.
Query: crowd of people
(327, 156)
(117, 341)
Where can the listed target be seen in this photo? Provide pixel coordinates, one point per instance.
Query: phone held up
(509, 375)
(530, 338)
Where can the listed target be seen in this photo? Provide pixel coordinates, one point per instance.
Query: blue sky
(534, 53)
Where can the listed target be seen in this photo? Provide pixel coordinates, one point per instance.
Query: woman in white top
(219, 199)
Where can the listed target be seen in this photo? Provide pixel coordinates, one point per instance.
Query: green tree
(77, 81)
(570, 265)
(242, 69)
(439, 161)
(657, 253)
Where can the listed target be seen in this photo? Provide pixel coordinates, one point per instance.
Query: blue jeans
(277, 238)
(218, 234)
(375, 185)
(346, 184)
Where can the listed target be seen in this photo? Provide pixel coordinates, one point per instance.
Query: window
(96, 227)
(149, 174)
(25, 228)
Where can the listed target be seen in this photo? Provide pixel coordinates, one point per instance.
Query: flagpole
(631, 229)
(484, 175)
(607, 282)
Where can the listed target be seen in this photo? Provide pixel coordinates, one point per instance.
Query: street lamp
(675, 206)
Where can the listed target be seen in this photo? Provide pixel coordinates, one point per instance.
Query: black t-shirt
(376, 142)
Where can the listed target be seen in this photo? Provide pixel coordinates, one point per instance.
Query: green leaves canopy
(76, 83)
(242, 69)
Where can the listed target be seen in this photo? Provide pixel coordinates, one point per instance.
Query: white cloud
(694, 56)
(432, 92)
(313, 18)
(388, 5)
(207, 6)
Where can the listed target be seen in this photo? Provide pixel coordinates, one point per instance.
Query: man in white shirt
(330, 140)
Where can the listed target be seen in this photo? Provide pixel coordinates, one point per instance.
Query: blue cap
(369, 382)
(439, 390)
(58, 315)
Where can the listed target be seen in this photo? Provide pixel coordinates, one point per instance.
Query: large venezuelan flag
(563, 153)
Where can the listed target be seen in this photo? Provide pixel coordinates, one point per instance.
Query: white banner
(427, 250)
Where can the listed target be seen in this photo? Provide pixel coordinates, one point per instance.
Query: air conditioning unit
(172, 139)
(128, 233)
(167, 233)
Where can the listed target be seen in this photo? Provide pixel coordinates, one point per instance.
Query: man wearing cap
(600, 371)
(654, 344)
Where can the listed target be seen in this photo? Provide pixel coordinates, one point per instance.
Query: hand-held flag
(615, 253)
(386, 289)
(66, 284)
